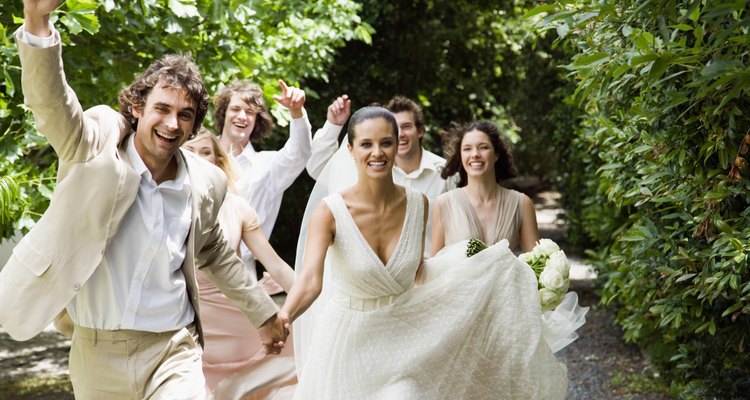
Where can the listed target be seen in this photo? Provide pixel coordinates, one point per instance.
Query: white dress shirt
(426, 178)
(265, 175)
(140, 284)
(39, 41)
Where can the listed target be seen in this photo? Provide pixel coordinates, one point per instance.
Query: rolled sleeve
(324, 145)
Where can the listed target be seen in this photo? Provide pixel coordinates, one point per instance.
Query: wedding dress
(474, 332)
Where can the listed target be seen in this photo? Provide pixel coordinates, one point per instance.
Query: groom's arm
(57, 111)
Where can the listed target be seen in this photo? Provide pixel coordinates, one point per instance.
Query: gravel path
(600, 364)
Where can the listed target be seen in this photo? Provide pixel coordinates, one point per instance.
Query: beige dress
(233, 357)
(460, 222)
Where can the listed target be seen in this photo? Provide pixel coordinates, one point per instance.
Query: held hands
(292, 98)
(273, 334)
(339, 110)
(36, 15)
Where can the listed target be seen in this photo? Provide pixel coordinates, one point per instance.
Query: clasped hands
(274, 332)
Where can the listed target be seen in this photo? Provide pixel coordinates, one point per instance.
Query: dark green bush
(660, 188)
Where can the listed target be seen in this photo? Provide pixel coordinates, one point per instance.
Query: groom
(129, 220)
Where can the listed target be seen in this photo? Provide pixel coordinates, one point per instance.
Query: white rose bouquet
(561, 314)
(552, 272)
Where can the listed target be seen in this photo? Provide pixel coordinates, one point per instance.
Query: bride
(473, 332)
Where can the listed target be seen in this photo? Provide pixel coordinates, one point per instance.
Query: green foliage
(474, 246)
(659, 188)
(108, 42)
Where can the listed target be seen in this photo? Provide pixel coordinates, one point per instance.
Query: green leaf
(184, 8)
(81, 6)
(734, 307)
(660, 66)
(718, 67)
(684, 277)
(591, 60)
(72, 24)
(88, 22)
(545, 8)
(723, 226)
(10, 88)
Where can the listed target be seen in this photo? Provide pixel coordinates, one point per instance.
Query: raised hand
(339, 110)
(292, 98)
(36, 16)
(273, 334)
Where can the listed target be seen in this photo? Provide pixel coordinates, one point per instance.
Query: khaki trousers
(136, 365)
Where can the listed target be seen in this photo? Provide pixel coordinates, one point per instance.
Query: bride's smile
(374, 148)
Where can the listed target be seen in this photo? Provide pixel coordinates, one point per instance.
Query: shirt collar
(428, 161)
(181, 182)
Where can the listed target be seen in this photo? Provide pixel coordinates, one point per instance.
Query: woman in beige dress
(234, 362)
(480, 208)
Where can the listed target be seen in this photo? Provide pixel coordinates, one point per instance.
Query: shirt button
(76, 287)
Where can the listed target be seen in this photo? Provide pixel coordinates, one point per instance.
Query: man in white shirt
(242, 118)
(416, 167)
(129, 220)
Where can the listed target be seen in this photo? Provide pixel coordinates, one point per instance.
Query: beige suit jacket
(95, 188)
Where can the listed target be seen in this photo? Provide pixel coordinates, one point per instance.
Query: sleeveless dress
(472, 333)
(233, 357)
(460, 221)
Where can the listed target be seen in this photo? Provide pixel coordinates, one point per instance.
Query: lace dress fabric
(460, 222)
(471, 333)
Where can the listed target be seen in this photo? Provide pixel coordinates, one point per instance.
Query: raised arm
(290, 160)
(57, 111)
(309, 283)
(326, 139)
(36, 16)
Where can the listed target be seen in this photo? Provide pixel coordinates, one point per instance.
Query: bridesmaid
(233, 357)
(480, 208)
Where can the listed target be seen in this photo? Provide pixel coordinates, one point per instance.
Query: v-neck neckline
(371, 251)
(476, 219)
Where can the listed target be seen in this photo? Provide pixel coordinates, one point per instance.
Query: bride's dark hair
(371, 112)
(505, 168)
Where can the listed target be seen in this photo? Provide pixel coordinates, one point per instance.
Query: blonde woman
(233, 354)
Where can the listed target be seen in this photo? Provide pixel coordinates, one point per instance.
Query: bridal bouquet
(552, 272)
(561, 314)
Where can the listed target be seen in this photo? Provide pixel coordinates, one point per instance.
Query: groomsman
(242, 118)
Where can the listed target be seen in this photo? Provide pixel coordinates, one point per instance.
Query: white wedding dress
(473, 332)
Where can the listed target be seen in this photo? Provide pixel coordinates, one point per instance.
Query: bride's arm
(309, 283)
(419, 278)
